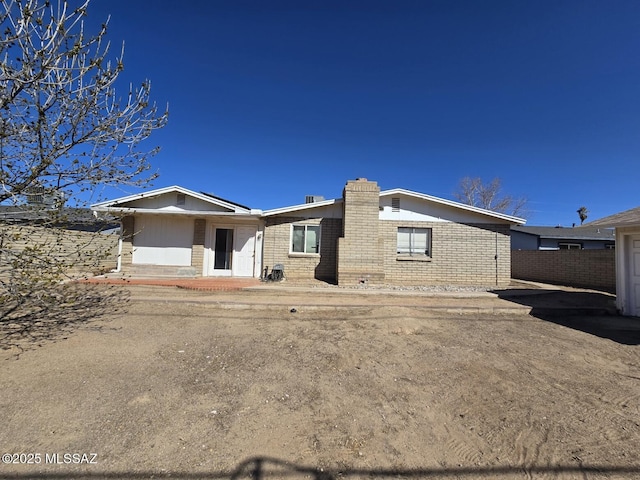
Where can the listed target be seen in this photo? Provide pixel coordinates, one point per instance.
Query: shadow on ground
(587, 311)
(263, 468)
(38, 319)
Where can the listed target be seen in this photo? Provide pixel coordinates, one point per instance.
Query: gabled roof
(451, 203)
(628, 218)
(303, 206)
(401, 191)
(119, 204)
(225, 200)
(582, 232)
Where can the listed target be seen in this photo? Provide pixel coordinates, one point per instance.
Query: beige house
(627, 225)
(367, 236)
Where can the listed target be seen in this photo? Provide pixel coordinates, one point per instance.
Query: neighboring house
(79, 219)
(562, 238)
(367, 236)
(627, 228)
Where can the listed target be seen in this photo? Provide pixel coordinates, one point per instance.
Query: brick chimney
(360, 259)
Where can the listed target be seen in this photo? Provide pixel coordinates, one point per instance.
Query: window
(305, 239)
(569, 246)
(414, 241)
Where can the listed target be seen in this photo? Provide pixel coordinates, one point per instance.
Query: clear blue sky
(273, 100)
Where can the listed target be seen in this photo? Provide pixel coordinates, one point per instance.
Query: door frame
(209, 257)
(626, 300)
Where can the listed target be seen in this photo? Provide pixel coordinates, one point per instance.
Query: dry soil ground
(235, 385)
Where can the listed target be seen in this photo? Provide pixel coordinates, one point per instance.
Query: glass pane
(297, 239)
(224, 249)
(420, 241)
(313, 239)
(404, 240)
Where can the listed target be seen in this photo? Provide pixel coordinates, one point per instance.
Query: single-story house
(627, 228)
(562, 238)
(367, 236)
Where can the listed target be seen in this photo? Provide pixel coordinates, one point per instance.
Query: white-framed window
(305, 239)
(415, 242)
(569, 246)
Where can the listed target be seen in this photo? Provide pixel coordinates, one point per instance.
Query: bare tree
(583, 214)
(64, 131)
(473, 191)
(62, 125)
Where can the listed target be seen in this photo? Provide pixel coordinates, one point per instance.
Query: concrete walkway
(518, 298)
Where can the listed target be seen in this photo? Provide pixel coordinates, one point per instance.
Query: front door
(244, 251)
(222, 251)
(634, 276)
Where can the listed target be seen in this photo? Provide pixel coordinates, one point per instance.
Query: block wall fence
(593, 269)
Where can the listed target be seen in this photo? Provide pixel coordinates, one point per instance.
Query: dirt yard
(202, 385)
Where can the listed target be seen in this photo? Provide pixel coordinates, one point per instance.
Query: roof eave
(190, 213)
(174, 188)
(450, 203)
(301, 207)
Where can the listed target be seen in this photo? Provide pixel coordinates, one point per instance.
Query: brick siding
(360, 250)
(127, 233)
(297, 266)
(461, 254)
(197, 251)
(79, 253)
(577, 268)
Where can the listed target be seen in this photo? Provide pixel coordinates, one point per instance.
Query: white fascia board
(297, 208)
(138, 196)
(162, 191)
(188, 213)
(451, 203)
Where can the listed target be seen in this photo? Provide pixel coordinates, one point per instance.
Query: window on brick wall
(569, 246)
(414, 242)
(305, 239)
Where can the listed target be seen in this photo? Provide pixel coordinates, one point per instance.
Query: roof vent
(36, 195)
(313, 198)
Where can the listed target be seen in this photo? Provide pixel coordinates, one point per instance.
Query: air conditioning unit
(313, 198)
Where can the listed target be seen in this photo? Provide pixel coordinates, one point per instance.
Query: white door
(634, 277)
(244, 251)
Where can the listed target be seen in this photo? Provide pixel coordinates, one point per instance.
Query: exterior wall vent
(181, 199)
(313, 198)
(395, 204)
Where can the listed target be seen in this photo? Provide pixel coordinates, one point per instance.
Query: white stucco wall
(163, 240)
